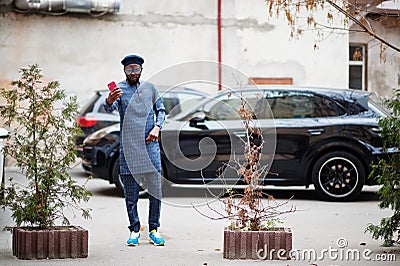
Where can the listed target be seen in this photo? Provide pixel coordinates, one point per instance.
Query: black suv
(323, 137)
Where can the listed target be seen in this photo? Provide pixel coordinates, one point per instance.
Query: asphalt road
(192, 239)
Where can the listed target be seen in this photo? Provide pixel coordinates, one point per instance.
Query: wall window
(357, 66)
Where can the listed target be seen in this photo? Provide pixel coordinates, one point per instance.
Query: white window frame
(359, 63)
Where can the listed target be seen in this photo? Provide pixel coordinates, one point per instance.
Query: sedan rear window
(88, 107)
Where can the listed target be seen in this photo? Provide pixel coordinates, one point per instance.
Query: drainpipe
(219, 47)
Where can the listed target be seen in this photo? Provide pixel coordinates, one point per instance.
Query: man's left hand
(153, 135)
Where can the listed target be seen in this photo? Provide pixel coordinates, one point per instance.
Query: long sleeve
(110, 108)
(159, 108)
(160, 113)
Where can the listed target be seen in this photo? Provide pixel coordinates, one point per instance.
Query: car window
(101, 109)
(379, 104)
(352, 108)
(272, 104)
(293, 104)
(177, 102)
(174, 102)
(324, 107)
(88, 107)
(227, 106)
(226, 109)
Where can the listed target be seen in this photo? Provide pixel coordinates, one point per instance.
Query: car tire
(338, 176)
(116, 177)
(118, 182)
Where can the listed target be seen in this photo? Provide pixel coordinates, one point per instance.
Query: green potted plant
(388, 176)
(253, 230)
(41, 121)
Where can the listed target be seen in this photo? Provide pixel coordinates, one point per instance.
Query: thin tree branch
(361, 25)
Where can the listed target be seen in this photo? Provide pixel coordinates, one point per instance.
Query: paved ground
(195, 240)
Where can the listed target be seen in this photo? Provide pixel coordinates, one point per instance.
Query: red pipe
(219, 47)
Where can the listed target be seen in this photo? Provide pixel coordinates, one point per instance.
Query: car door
(301, 120)
(209, 140)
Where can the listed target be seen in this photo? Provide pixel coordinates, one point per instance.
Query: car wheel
(115, 176)
(338, 176)
(118, 182)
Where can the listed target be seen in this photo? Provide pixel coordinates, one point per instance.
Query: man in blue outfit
(138, 103)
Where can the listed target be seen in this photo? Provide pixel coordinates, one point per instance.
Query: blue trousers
(152, 182)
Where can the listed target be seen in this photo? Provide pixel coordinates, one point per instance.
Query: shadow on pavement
(109, 190)
(300, 194)
(312, 195)
(80, 173)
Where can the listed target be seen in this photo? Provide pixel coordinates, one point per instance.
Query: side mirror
(197, 118)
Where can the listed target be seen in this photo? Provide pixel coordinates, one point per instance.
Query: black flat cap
(132, 59)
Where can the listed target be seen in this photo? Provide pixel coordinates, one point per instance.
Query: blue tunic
(140, 109)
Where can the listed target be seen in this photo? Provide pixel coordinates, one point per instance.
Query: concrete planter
(54, 243)
(258, 245)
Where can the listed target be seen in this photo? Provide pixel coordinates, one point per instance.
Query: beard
(132, 79)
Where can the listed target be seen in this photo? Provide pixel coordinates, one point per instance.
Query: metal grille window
(357, 66)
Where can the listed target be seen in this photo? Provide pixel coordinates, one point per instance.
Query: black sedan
(93, 117)
(100, 149)
(323, 137)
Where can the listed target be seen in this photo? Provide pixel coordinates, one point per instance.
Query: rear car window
(293, 104)
(325, 107)
(88, 107)
(101, 100)
(101, 108)
(351, 107)
(379, 104)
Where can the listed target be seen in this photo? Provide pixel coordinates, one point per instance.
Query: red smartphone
(112, 85)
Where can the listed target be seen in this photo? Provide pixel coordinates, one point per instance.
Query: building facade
(83, 51)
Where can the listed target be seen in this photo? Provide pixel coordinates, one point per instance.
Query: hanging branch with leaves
(301, 15)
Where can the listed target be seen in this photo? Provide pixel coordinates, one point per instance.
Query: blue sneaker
(133, 239)
(155, 238)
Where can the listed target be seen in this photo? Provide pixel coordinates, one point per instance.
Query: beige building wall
(84, 52)
(383, 73)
